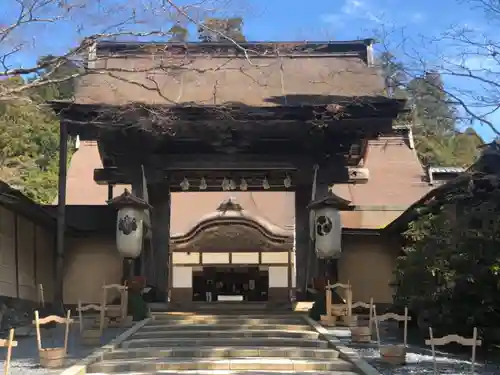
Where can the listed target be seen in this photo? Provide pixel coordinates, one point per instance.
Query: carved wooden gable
(231, 228)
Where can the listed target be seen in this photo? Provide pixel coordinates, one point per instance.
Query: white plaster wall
(185, 258)
(275, 258)
(278, 277)
(245, 258)
(182, 277)
(215, 258)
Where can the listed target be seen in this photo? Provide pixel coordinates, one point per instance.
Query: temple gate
(205, 117)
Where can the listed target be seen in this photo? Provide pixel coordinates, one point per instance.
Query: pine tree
(436, 116)
(437, 140)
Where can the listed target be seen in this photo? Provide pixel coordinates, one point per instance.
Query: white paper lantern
(328, 233)
(130, 224)
(129, 231)
(326, 226)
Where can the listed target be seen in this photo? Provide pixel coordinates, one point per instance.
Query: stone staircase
(198, 343)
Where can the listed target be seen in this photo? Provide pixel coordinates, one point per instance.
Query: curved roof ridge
(244, 215)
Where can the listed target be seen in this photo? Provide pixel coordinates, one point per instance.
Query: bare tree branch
(468, 59)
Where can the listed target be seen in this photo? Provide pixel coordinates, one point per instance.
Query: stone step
(228, 306)
(232, 372)
(265, 315)
(188, 326)
(224, 352)
(238, 320)
(227, 341)
(183, 334)
(244, 364)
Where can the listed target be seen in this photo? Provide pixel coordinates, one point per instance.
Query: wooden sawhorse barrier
(392, 354)
(90, 335)
(445, 340)
(335, 312)
(362, 334)
(115, 315)
(9, 344)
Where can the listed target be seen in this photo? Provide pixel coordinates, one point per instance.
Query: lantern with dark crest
(326, 226)
(130, 224)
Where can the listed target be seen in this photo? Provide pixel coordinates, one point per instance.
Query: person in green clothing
(137, 307)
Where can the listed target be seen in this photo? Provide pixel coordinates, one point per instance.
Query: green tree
(452, 250)
(29, 142)
(219, 29)
(436, 116)
(52, 71)
(459, 149)
(437, 141)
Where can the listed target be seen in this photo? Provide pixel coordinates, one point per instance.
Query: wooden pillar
(61, 214)
(129, 266)
(302, 198)
(159, 196)
(290, 275)
(16, 253)
(320, 265)
(110, 191)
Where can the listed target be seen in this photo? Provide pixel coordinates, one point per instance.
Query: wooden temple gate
(254, 141)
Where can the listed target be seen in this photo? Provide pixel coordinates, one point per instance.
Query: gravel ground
(25, 355)
(419, 359)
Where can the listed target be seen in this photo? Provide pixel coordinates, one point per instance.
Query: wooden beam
(16, 253)
(368, 107)
(61, 215)
(214, 177)
(229, 162)
(216, 161)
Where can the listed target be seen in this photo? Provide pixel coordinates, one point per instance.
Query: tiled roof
(81, 188)
(280, 76)
(397, 179)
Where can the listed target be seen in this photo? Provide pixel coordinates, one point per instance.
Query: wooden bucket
(339, 310)
(52, 357)
(91, 336)
(393, 354)
(328, 321)
(350, 321)
(361, 334)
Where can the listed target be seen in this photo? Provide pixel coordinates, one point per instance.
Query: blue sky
(277, 20)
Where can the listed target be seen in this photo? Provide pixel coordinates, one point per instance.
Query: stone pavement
(211, 343)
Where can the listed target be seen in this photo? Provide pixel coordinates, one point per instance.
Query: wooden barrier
(362, 334)
(52, 357)
(90, 335)
(336, 312)
(9, 344)
(445, 340)
(393, 354)
(115, 315)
